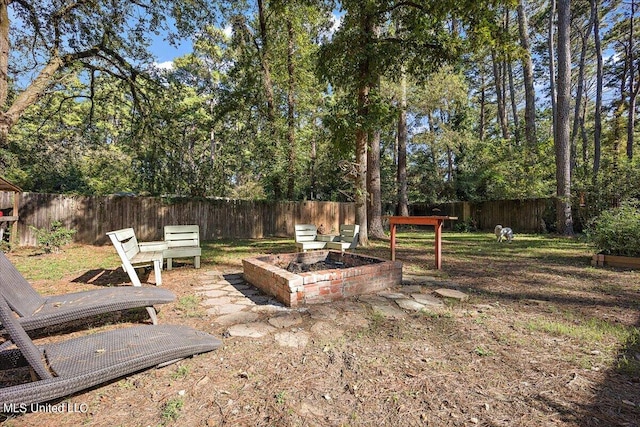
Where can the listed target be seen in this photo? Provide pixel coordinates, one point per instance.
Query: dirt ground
(537, 343)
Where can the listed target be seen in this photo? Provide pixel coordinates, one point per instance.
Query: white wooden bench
(306, 236)
(134, 255)
(183, 241)
(349, 235)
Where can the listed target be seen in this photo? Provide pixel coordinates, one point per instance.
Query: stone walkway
(242, 308)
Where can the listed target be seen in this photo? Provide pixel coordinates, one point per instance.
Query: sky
(165, 53)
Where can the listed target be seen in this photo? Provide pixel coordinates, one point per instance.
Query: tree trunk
(403, 201)
(585, 143)
(552, 69)
(618, 119)
(512, 88)
(529, 90)
(4, 53)
(562, 142)
(267, 84)
(312, 168)
(374, 214)
(483, 102)
(361, 165)
(502, 111)
(291, 130)
(584, 36)
(597, 126)
(633, 91)
(514, 107)
(365, 82)
(265, 65)
(28, 97)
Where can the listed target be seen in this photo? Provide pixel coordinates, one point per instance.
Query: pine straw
(479, 363)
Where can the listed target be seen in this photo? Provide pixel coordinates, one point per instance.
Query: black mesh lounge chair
(38, 312)
(79, 363)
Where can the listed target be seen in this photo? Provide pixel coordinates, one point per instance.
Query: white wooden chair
(349, 234)
(134, 255)
(306, 238)
(183, 241)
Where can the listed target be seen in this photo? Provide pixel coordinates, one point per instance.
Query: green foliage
(181, 372)
(171, 409)
(466, 226)
(617, 231)
(203, 128)
(189, 305)
(53, 238)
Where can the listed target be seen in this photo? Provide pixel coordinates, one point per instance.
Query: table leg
(438, 245)
(393, 242)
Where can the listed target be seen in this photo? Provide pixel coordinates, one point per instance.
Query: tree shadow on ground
(617, 398)
(108, 277)
(558, 275)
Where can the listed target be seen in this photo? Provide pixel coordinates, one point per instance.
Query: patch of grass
(590, 330)
(481, 351)
(126, 384)
(189, 305)
(376, 322)
(377, 318)
(480, 319)
(629, 360)
(171, 409)
(281, 397)
(436, 314)
(181, 372)
(75, 260)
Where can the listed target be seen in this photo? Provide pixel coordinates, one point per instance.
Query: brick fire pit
(351, 274)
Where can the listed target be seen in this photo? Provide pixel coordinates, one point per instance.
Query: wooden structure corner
(14, 217)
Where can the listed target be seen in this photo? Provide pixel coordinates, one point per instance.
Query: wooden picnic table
(436, 221)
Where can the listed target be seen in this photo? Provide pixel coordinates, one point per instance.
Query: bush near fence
(93, 216)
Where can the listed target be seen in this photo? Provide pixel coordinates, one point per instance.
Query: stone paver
(389, 311)
(216, 301)
(410, 289)
(250, 330)
(212, 293)
(326, 330)
(225, 309)
(322, 312)
(409, 304)
(232, 302)
(268, 308)
(428, 300)
(452, 293)
(372, 299)
(237, 317)
(292, 339)
(392, 295)
(286, 320)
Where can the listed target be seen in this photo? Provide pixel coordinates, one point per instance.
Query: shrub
(617, 231)
(51, 240)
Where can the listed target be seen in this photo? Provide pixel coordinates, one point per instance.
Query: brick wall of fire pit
(358, 275)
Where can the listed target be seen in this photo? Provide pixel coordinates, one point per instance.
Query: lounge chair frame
(36, 311)
(67, 367)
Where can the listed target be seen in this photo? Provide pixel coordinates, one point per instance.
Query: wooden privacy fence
(93, 216)
(524, 216)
